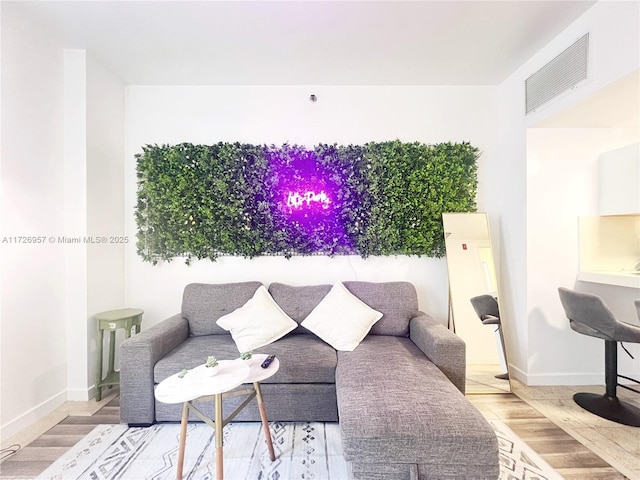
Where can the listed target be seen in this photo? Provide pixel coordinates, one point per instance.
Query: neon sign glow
(298, 200)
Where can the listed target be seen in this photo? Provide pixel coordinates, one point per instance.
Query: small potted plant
(211, 365)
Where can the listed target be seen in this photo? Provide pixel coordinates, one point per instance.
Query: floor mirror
(474, 301)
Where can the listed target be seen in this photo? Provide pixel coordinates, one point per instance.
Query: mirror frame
(479, 233)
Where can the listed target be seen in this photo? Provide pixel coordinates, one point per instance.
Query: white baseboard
(81, 394)
(52, 407)
(555, 379)
(517, 374)
(32, 416)
(543, 379)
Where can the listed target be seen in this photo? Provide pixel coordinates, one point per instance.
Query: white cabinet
(610, 250)
(610, 243)
(619, 181)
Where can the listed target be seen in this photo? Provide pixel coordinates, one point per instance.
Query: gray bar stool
(589, 315)
(487, 309)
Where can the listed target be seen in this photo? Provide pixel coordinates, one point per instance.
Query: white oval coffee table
(198, 385)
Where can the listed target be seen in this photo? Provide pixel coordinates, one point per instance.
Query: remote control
(267, 361)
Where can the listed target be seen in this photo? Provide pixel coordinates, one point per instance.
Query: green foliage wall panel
(384, 198)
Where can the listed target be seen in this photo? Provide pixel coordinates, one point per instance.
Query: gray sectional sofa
(399, 396)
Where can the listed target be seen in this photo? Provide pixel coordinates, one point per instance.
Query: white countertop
(611, 277)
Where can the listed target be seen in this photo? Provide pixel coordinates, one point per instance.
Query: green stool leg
(129, 320)
(100, 353)
(112, 352)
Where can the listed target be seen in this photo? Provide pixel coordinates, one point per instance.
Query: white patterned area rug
(304, 450)
(517, 460)
(114, 452)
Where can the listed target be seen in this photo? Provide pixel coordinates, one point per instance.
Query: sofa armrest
(443, 347)
(138, 356)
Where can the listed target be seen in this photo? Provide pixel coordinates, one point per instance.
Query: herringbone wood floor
(34, 458)
(568, 456)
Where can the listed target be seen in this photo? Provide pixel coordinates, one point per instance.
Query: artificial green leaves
(381, 198)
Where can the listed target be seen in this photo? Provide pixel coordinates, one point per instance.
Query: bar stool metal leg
(609, 405)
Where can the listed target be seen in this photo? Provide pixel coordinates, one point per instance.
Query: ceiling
(306, 42)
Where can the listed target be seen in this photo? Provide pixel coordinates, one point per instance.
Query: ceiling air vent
(559, 75)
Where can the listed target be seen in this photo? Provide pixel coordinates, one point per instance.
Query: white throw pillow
(341, 319)
(257, 323)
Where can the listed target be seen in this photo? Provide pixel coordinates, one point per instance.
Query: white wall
(536, 187)
(104, 204)
(94, 196)
(275, 115)
(558, 355)
(62, 176)
(33, 335)
(75, 219)
(93, 210)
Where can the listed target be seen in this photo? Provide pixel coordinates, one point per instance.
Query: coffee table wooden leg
(183, 439)
(219, 444)
(265, 423)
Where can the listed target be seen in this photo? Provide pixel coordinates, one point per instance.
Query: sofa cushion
(257, 323)
(397, 301)
(297, 302)
(204, 303)
(303, 358)
(413, 413)
(341, 319)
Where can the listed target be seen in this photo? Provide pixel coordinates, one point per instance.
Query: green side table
(128, 319)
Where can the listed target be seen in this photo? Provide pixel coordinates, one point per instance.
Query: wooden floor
(617, 447)
(618, 444)
(35, 456)
(570, 458)
(482, 379)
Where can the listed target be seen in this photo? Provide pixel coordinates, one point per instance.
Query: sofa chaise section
(402, 418)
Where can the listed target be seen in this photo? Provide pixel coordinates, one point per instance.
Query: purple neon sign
(307, 199)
